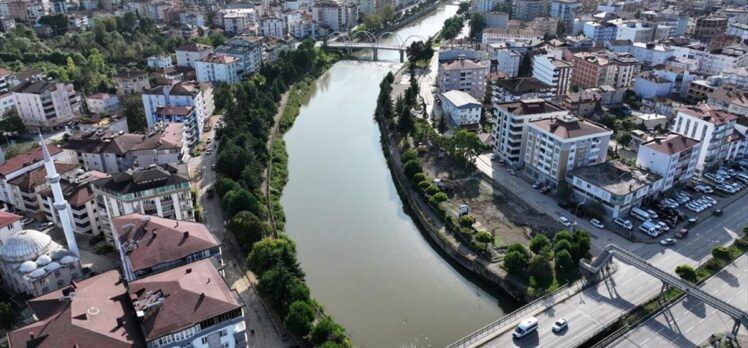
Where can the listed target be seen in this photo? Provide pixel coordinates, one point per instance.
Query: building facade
(712, 127)
(552, 71)
(462, 108)
(673, 157)
(463, 75)
(46, 103)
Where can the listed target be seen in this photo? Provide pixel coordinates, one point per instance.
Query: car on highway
(213, 166)
(667, 241)
(511, 171)
(683, 233)
(525, 328)
(717, 212)
(27, 221)
(537, 185)
(597, 223)
(564, 221)
(560, 325)
(624, 223)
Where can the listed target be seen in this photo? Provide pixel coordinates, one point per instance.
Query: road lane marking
(689, 329)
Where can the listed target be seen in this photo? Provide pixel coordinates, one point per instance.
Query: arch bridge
(368, 40)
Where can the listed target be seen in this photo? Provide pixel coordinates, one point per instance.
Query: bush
(741, 244)
(540, 271)
(484, 236)
(515, 262)
(326, 330)
(409, 155)
(440, 197)
(466, 220)
(564, 262)
(721, 253)
(562, 245)
(423, 185)
(411, 168)
(419, 177)
(518, 248)
(687, 272)
(432, 190)
(562, 235)
(299, 318)
(539, 242)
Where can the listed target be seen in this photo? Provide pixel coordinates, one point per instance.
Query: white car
(560, 325)
(27, 221)
(624, 223)
(703, 189)
(663, 226)
(597, 223)
(564, 221)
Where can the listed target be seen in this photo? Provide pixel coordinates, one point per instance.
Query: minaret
(60, 204)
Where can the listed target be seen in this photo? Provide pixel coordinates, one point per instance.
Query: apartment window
(224, 332)
(204, 340)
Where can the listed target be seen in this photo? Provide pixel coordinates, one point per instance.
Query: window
(224, 332)
(204, 340)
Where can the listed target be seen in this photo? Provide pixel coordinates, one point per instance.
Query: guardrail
(511, 317)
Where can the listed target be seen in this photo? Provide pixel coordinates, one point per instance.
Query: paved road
(688, 322)
(586, 312)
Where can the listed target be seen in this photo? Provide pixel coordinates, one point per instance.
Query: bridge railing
(511, 317)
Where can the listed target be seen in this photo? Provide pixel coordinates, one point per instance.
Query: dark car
(683, 233)
(95, 239)
(717, 212)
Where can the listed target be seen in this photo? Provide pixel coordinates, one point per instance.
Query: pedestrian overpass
(591, 269)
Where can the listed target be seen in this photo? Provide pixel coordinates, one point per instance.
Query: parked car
(703, 189)
(663, 226)
(26, 221)
(545, 189)
(564, 221)
(560, 325)
(44, 225)
(682, 233)
(652, 213)
(597, 223)
(717, 212)
(624, 223)
(537, 185)
(667, 241)
(716, 178)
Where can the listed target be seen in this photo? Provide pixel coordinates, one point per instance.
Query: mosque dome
(52, 266)
(68, 260)
(27, 266)
(59, 253)
(38, 273)
(25, 245)
(43, 260)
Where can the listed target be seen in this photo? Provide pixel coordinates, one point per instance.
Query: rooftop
(194, 47)
(126, 74)
(36, 86)
(38, 176)
(461, 64)
(522, 85)
(219, 58)
(95, 312)
(22, 160)
(615, 177)
(7, 218)
(460, 98)
(708, 113)
(569, 127)
(181, 297)
(166, 136)
(530, 107)
(152, 240)
(671, 144)
(143, 179)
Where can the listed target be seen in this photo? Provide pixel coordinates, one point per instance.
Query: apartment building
(617, 187)
(21, 164)
(673, 157)
(247, 49)
(131, 81)
(102, 103)
(46, 103)
(462, 108)
(565, 11)
(151, 244)
(712, 127)
(217, 67)
(158, 190)
(634, 31)
(9, 224)
(558, 145)
(552, 71)
(508, 62)
(82, 208)
(188, 55)
(111, 152)
(516, 89)
(185, 102)
(582, 104)
(463, 75)
(26, 188)
(510, 126)
(528, 10)
(598, 69)
(730, 57)
(236, 20)
(600, 32)
(159, 62)
(483, 5)
(335, 15)
(706, 27)
(272, 27)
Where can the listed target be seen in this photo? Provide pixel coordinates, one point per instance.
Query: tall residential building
(463, 75)
(558, 145)
(707, 27)
(81, 204)
(188, 55)
(598, 69)
(528, 10)
(508, 61)
(46, 103)
(272, 27)
(217, 67)
(187, 102)
(26, 189)
(510, 126)
(565, 11)
(247, 49)
(236, 20)
(552, 71)
(131, 81)
(150, 244)
(712, 127)
(484, 5)
(600, 32)
(674, 157)
(159, 190)
(21, 164)
(334, 15)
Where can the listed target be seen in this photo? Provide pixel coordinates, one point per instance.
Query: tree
(561, 29)
(515, 262)
(248, 228)
(594, 209)
(272, 251)
(420, 50)
(562, 245)
(623, 139)
(12, 122)
(484, 236)
(299, 318)
(409, 155)
(721, 253)
(518, 248)
(282, 288)
(687, 272)
(581, 245)
(540, 271)
(477, 24)
(326, 330)
(539, 242)
(57, 22)
(564, 262)
(440, 197)
(452, 27)
(466, 220)
(240, 199)
(525, 65)
(412, 167)
(464, 146)
(405, 122)
(562, 235)
(132, 109)
(464, 7)
(8, 316)
(563, 191)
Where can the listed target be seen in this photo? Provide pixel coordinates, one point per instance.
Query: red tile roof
(190, 294)
(98, 315)
(569, 128)
(8, 218)
(24, 159)
(708, 113)
(156, 240)
(671, 144)
(39, 175)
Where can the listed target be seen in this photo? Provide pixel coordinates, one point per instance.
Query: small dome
(38, 273)
(43, 260)
(52, 266)
(25, 245)
(68, 260)
(27, 266)
(59, 253)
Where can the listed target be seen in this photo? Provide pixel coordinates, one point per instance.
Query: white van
(526, 327)
(649, 228)
(640, 214)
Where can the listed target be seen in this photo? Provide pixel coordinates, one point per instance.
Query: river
(365, 260)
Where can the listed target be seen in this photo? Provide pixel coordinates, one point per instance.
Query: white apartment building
(81, 206)
(462, 108)
(510, 126)
(565, 11)
(9, 224)
(237, 20)
(463, 75)
(217, 67)
(731, 57)
(188, 55)
(131, 81)
(22, 164)
(712, 127)
(634, 31)
(334, 15)
(198, 96)
(102, 103)
(46, 103)
(7, 102)
(673, 157)
(159, 190)
(272, 27)
(736, 76)
(159, 62)
(247, 49)
(508, 61)
(558, 145)
(483, 5)
(552, 71)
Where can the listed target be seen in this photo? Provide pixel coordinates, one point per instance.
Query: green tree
(282, 288)
(440, 197)
(581, 245)
(132, 109)
(12, 123)
(419, 50)
(326, 330)
(563, 191)
(272, 251)
(623, 139)
(562, 235)
(540, 271)
(248, 228)
(411, 168)
(721, 253)
(409, 155)
(237, 200)
(405, 122)
(464, 146)
(8, 316)
(452, 27)
(464, 7)
(57, 22)
(515, 262)
(564, 262)
(484, 236)
(300, 318)
(466, 220)
(477, 24)
(687, 273)
(562, 245)
(518, 248)
(539, 242)
(561, 29)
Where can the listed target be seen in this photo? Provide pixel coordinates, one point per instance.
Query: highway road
(688, 322)
(628, 287)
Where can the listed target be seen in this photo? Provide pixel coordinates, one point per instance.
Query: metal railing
(511, 317)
